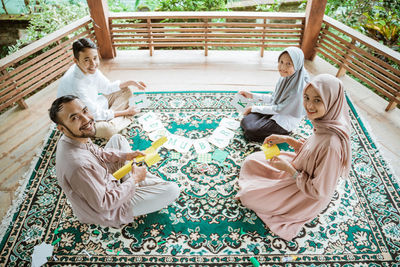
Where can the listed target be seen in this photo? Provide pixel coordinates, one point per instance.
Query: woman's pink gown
(285, 204)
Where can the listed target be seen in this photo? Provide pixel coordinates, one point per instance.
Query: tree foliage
(378, 19)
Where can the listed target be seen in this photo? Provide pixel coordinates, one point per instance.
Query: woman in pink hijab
(293, 188)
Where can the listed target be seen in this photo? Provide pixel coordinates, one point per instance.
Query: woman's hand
(245, 94)
(247, 111)
(282, 164)
(298, 144)
(134, 154)
(275, 139)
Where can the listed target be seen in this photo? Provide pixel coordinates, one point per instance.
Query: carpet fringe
(20, 192)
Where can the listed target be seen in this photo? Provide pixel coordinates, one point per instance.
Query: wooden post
(206, 37)
(263, 37)
(99, 13)
(149, 29)
(314, 15)
(392, 104)
(342, 68)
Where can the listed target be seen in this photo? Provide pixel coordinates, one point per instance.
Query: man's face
(88, 60)
(75, 120)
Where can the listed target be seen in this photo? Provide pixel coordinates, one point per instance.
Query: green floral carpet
(206, 226)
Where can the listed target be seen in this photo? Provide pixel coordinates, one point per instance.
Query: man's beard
(82, 135)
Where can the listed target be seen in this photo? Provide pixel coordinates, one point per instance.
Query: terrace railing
(206, 29)
(362, 57)
(39, 63)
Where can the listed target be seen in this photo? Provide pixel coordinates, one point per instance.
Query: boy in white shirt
(107, 101)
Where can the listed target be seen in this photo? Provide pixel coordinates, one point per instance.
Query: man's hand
(139, 85)
(247, 111)
(134, 154)
(138, 173)
(245, 94)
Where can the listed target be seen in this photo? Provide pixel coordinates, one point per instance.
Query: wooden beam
(99, 13)
(314, 15)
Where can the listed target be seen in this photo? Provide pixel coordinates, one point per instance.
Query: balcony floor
(181, 70)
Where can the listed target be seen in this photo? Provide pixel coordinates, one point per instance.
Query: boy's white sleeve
(104, 85)
(99, 112)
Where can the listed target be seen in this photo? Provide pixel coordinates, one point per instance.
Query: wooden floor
(23, 131)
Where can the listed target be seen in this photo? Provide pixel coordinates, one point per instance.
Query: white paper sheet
(139, 101)
(150, 126)
(230, 123)
(240, 102)
(201, 146)
(148, 117)
(40, 254)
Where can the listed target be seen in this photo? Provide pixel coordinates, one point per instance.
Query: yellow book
(123, 171)
(270, 151)
(151, 157)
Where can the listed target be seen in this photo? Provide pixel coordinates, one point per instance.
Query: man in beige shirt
(84, 171)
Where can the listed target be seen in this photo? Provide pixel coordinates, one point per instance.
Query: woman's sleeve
(322, 182)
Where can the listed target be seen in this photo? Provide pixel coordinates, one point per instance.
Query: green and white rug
(206, 226)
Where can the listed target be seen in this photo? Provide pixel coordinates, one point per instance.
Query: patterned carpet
(206, 226)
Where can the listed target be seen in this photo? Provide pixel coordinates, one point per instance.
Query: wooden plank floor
(22, 131)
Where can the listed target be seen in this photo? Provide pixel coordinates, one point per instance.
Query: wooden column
(314, 15)
(99, 13)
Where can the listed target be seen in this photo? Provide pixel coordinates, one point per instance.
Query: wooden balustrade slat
(377, 62)
(38, 58)
(202, 45)
(244, 30)
(348, 64)
(24, 69)
(22, 72)
(211, 24)
(355, 73)
(122, 36)
(49, 76)
(386, 51)
(281, 39)
(366, 65)
(33, 78)
(207, 15)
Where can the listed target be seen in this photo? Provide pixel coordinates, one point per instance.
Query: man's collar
(75, 142)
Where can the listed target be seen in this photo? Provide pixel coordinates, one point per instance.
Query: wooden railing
(39, 63)
(362, 57)
(206, 29)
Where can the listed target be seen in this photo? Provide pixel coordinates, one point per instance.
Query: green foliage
(378, 19)
(191, 5)
(269, 8)
(383, 26)
(48, 18)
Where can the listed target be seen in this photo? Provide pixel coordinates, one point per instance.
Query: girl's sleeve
(99, 113)
(265, 98)
(322, 182)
